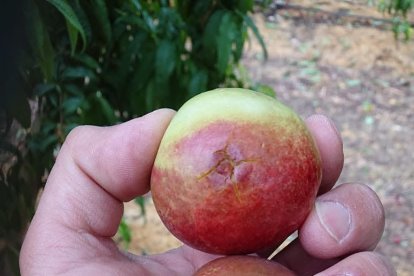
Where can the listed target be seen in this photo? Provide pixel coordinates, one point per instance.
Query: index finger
(97, 169)
(329, 143)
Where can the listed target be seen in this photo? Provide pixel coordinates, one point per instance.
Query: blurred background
(66, 63)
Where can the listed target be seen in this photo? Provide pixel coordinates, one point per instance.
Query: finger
(294, 257)
(330, 146)
(363, 263)
(348, 219)
(97, 168)
(120, 158)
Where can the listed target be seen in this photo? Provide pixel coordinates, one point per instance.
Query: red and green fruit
(243, 266)
(236, 172)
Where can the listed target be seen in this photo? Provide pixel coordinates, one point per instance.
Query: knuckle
(77, 138)
(76, 134)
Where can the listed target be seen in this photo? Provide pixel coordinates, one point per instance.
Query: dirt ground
(363, 79)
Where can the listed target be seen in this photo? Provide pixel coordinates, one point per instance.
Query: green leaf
(97, 110)
(73, 36)
(408, 32)
(241, 33)
(69, 127)
(137, 5)
(140, 201)
(78, 72)
(83, 19)
(200, 9)
(249, 22)
(150, 96)
(73, 90)
(49, 141)
(149, 22)
(66, 10)
(245, 5)
(209, 39)
(87, 60)
(48, 127)
(226, 35)
(134, 21)
(54, 100)
(106, 108)
(72, 104)
(198, 83)
(100, 11)
(125, 232)
(165, 59)
(44, 88)
(140, 78)
(42, 45)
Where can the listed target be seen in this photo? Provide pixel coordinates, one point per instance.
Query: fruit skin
(236, 172)
(243, 266)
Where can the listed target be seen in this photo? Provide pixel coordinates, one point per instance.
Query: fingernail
(335, 218)
(328, 122)
(333, 127)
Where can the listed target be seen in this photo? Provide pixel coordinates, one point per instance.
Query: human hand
(99, 168)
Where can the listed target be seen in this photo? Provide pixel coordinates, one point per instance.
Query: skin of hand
(99, 168)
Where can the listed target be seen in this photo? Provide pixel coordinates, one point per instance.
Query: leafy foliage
(399, 9)
(125, 233)
(102, 62)
(132, 57)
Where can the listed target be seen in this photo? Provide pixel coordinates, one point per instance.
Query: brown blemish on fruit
(226, 166)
